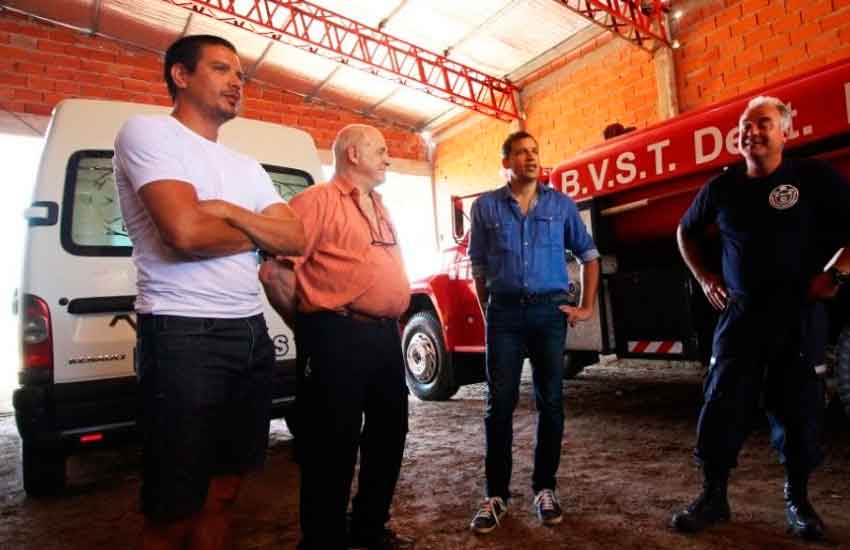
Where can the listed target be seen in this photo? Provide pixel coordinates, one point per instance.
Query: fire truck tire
(428, 366)
(842, 368)
(575, 361)
(43, 470)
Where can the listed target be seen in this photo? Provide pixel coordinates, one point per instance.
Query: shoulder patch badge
(784, 196)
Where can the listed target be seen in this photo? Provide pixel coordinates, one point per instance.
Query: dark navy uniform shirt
(776, 232)
(525, 254)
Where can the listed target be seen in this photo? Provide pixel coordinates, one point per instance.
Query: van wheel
(428, 366)
(43, 470)
(575, 361)
(842, 368)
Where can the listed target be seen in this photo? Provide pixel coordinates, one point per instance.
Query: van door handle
(42, 213)
(105, 304)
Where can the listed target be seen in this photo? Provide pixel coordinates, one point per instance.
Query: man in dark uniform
(780, 222)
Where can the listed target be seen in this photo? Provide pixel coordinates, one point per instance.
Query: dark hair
(187, 52)
(509, 142)
(613, 130)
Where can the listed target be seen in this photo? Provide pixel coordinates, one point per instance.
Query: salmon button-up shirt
(349, 263)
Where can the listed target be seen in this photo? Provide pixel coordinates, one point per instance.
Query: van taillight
(36, 336)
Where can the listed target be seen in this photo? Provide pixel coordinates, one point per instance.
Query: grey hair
(348, 136)
(784, 110)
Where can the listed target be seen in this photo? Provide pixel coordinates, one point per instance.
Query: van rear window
(91, 222)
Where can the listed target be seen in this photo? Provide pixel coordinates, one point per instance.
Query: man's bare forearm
(206, 236)
(481, 292)
(280, 235)
(279, 284)
(589, 283)
(842, 260)
(691, 254)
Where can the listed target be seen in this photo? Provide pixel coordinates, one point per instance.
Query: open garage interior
(632, 105)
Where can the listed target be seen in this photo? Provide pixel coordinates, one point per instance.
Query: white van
(77, 385)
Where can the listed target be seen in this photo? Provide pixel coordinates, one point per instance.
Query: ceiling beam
(260, 60)
(315, 91)
(572, 43)
(481, 26)
(321, 31)
(371, 108)
(426, 125)
(641, 22)
(95, 17)
(392, 14)
(186, 26)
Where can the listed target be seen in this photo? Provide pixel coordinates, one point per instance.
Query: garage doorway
(19, 156)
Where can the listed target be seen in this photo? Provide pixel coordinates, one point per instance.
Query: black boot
(710, 507)
(803, 521)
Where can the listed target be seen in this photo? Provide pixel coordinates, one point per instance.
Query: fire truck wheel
(427, 364)
(43, 470)
(575, 361)
(842, 368)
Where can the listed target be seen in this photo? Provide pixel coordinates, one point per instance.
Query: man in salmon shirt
(343, 301)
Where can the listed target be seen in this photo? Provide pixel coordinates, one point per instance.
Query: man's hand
(714, 289)
(278, 279)
(275, 271)
(575, 314)
(822, 287)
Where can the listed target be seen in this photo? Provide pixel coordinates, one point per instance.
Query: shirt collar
(345, 187)
(505, 191)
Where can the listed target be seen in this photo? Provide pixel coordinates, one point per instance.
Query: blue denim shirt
(525, 254)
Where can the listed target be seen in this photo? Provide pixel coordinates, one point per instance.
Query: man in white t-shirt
(197, 212)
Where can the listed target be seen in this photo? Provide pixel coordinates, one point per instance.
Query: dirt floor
(626, 465)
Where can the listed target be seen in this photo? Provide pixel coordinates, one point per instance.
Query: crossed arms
(208, 229)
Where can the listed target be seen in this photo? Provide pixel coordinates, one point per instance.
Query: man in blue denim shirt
(519, 235)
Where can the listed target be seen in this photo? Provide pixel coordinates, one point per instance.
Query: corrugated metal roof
(497, 37)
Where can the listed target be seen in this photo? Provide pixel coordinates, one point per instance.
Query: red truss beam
(346, 41)
(641, 22)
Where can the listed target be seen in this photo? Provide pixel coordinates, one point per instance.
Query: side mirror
(458, 219)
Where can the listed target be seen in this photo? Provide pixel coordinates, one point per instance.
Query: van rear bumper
(75, 415)
(94, 413)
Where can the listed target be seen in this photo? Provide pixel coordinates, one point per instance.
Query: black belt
(363, 317)
(510, 299)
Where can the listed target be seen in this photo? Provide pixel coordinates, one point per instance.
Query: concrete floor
(625, 466)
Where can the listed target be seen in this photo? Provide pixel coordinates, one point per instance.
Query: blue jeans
(514, 331)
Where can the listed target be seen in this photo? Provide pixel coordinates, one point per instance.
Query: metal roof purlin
(641, 22)
(362, 47)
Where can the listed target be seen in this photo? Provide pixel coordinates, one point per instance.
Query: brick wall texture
(41, 64)
(728, 47)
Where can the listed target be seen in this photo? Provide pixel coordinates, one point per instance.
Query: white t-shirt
(152, 148)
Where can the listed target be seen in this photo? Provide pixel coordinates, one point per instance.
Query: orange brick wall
(728, 48)
(732, 46)
(41, 64)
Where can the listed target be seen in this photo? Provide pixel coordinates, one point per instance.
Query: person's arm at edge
(477, 256)
(278, 279)
(712, 283)
(579, 241)
(278, 274)
(824, 286)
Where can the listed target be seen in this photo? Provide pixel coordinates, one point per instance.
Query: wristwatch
(838, 277)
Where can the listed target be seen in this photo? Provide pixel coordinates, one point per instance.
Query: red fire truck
(631, 192)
